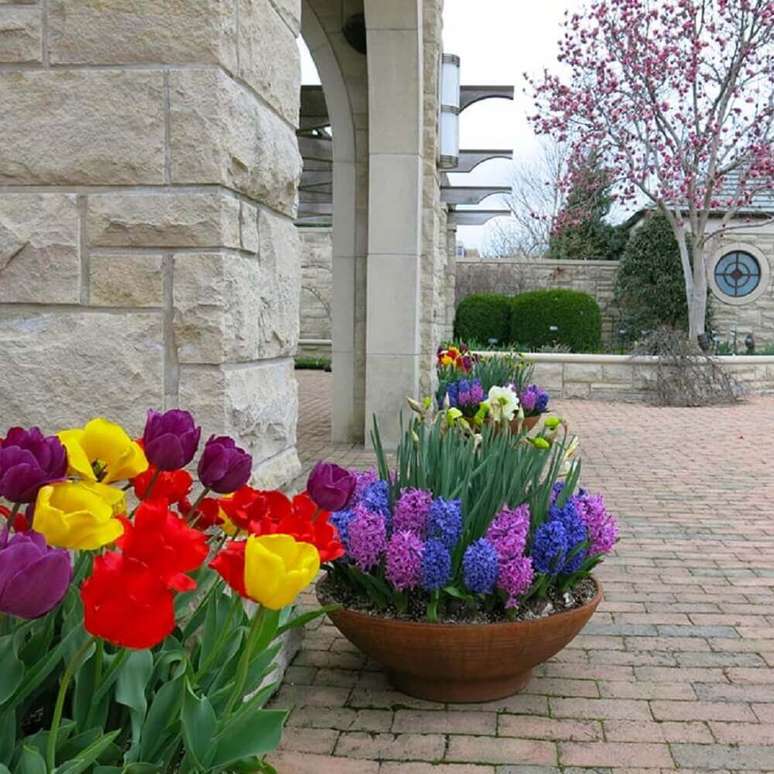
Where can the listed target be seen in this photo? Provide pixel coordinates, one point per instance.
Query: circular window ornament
(739, 275)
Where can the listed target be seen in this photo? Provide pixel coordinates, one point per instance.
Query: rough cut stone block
(248, 223)
(39, 259)
(576, 390)
(220, 133)
(216, 298)
(126, 280)
(170, 219)
(20, 35)
(583, 372)
(87, 127)
(256, 403)
(232, 308)
(269, 58)
(60, 369)
(278, 471)
(143, 31)
(290, 10)
(618, 373)
(280, 262)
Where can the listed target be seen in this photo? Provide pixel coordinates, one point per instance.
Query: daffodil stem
(56, 720)
(244, 660)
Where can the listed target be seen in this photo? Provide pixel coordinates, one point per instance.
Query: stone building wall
(148, 176)
(513, 276)
(316, 286)
(434, 256)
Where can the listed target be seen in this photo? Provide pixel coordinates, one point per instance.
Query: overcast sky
(497, 40)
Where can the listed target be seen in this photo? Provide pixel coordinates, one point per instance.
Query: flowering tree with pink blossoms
(677, 98)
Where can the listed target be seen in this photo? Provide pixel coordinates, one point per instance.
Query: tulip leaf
(163, 713)
(31, 762)
(4, 769)
(133, 678)
(248, 735)
(305, 618)
(12, 673)
(86, 758)
(199, 723)
(7, 735)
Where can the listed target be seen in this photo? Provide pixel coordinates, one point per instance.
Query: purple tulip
(330, 486)
(223, 466)
(33, 576)
(28, 461)
(170, 439)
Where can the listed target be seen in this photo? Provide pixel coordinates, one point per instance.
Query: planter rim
(398, 622)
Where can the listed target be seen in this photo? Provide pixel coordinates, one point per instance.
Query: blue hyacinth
(479, 567)
(376, 498)
(436, 565)
(444, 522)
(341, 520)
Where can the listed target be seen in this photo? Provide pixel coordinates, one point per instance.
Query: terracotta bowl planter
(526, 424)
(462, 662)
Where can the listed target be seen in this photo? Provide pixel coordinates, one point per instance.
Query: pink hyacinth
(601, 525)
(412, 510)
(508, 532)
(367, 535)
(514, 578)
(404, 560)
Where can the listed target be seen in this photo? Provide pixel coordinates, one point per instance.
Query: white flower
(503, 403)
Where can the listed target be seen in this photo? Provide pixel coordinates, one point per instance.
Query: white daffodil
(503, 403)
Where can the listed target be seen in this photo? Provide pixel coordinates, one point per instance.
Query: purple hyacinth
(601, 525)
(479, 567)
(367, 534)
(436, 565)
(444, 522)
(508, 532)
(28, 461)
(412, 510)
(556, 490)
(534, 399)
(577, 535)
(404, 560)
(363, 479)
(515, 578)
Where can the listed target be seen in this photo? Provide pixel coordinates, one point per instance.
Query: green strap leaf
(133, 678)
(199, 725)
(248, 736)
(31, 762)
(88, 757)
(12, 673)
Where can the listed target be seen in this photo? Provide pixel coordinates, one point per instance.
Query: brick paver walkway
(675, 669)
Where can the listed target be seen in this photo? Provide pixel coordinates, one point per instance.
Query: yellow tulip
(79, 514)
(278, 568)
(102, 451)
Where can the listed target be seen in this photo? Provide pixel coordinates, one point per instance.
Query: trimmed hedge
(575, 314)
(483, 316)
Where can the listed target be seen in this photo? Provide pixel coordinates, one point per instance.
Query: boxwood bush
(574, 315)
(483, 316)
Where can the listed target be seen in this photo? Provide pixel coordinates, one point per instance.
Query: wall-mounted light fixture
(450, 112)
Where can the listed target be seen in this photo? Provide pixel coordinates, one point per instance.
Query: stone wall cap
(572, 358)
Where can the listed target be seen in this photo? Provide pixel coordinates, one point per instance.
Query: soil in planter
(332, 590)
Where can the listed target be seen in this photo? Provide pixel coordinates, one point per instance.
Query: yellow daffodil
(278, 568)
(79, 514)
(103, 451)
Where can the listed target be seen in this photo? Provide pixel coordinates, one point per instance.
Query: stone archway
(342, 72)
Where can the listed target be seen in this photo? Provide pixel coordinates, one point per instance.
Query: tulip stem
(56, 720)
(192, 512)
(244, 660)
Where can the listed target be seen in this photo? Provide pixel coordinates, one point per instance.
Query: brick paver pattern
(675, 670)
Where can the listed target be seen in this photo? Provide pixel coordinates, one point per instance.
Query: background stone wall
(625, 378)
(514, 276)
(148, 257)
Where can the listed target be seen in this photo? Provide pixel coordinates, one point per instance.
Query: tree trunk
(697, 301)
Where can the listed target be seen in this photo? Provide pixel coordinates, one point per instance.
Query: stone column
(148, 176)
(395, 76)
